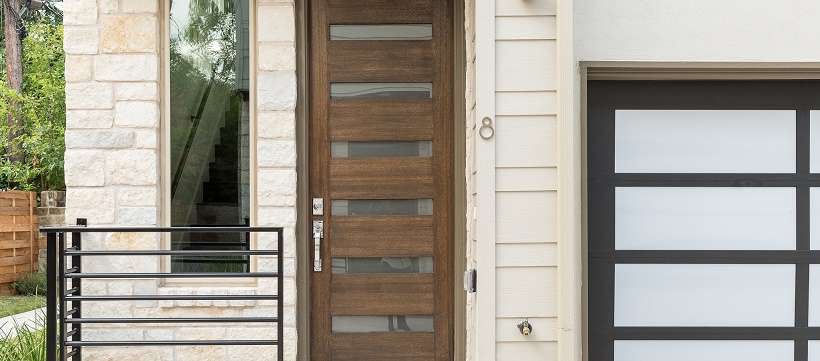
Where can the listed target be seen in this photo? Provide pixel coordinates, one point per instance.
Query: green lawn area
(11, 305)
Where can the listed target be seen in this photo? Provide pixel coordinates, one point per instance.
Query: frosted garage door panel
(814, 216)
(704, 218)
(814, 350)
(691, 295)
(704, 350)
(705, 141)
(814, 297)
(814, 152)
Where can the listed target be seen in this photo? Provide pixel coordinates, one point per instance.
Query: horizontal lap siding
(526, 179)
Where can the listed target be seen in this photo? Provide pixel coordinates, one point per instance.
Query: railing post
(61, 291)
(76, 283)
(51, 294)
(280, 347)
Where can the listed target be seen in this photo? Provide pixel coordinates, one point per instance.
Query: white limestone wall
(114, 176)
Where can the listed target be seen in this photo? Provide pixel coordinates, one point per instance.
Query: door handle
(318, 233)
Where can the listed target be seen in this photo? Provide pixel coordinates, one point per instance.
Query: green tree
(39, 137)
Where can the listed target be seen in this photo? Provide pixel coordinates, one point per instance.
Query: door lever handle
(318, 234)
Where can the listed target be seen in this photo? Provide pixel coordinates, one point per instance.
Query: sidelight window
(208, 125)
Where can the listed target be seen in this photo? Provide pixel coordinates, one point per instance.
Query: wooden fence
(18, 237)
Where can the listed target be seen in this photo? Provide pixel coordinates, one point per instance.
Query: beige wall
(114, 172)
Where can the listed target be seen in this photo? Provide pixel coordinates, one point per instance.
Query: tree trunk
(14, 77)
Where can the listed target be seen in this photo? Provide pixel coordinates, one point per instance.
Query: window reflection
(209, 128)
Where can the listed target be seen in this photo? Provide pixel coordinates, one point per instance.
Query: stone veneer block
(130, 34)
(78, 40)
(99, 139)
(276, 23)
(96, 204)
(137, 114)
(131, 167)
(277, 56)
(276, 90)
(89, 119)
(276, 187)
(126, 67)
(276, 153)
(84, 168)
(80, 12)
(136, 91)
(276, 125)
(89, 96)
(78, 68)
(137, 216)
(133, 197)
(109, 6)
(139, 6)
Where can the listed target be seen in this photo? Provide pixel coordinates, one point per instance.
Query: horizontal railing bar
(173, 275)
(173, 343)
(174, 253)
(171, 297)
(173, 320)
(226, 244)
(159, 229)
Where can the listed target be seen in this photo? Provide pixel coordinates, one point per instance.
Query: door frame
(645, 70)
(304, 244)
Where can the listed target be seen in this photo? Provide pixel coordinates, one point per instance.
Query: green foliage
(26, 342)
(32, 284)
(42, 137)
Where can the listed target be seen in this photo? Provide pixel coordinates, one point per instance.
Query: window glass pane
(704, 350)
(705, 141)
(422, 148)
(382, 323)
(382, 265)
(209, 124)
(704, 295)
(382, 32)
(381, 207)
(381, 90)
(703, 218)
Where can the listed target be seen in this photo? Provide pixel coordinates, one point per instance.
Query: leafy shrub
(32, 284)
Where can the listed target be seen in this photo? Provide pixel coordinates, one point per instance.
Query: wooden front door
(381, 161)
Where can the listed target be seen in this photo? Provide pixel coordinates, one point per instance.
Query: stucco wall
(114, 160)
(697, 30)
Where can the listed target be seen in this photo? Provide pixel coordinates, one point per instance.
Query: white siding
(526, 179)
(697, 30)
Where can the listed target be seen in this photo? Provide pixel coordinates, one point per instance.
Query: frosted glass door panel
(814, 149)
(705, 141)
(720, 218)
(814, 295)
(691, 295)
(382, 32)
(814, 217)
(814, 350)
(706, 350)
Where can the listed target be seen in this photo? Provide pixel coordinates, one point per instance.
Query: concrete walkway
(26, 318)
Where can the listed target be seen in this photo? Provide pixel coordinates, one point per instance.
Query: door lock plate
(318, 206)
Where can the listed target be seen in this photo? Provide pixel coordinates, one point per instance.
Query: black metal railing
(65, 296)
